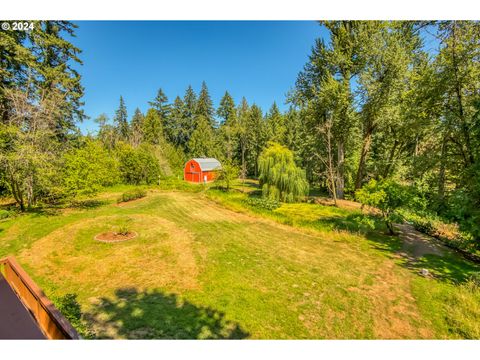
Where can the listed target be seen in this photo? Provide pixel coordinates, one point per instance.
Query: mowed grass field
(206, 266)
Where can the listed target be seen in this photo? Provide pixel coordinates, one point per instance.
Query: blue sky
(258, 60)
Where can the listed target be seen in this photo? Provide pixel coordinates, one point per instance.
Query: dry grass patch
(162, 255)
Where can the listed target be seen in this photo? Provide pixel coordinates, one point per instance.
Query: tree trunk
(469, 159)
(391, 156)
(17, 194)
(340, 169)
(244, 169)
(367, 140)
(441, 175)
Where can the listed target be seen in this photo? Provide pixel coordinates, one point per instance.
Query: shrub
(71, 309)
(5, 214)
(138, 165)
(227, 175)
(262, 203)
(388, 196)
(132, 195)
(89, 168)
(124, 228)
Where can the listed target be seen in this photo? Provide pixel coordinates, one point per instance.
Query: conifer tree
(176, 131)
(160, 103)
(56, 58)
(227, 113)
(241, 131)
(256, 138)
(137, 126)
(226, 110)
(43, 61)
(121, 120)
(189, 114)
(202, 142)
(275, 125)
(205, 106)
(152, 127)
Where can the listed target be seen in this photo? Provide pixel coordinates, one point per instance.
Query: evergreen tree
(152, 127)
(242, 133)
(226, 110)
(176, 131)
(137, 126)
(160, 103)
(275, 125)
(189, 114)
(121, 120)
(205, 106)
(42, 60)
(202, 142)
(227, 113)
(256, 138)
(56, 58)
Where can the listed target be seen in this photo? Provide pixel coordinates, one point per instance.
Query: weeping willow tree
(279, 177)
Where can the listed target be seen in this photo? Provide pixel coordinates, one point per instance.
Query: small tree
(280, 178)
(28, 146)
(228, 174)
(138, 165)
(82, 176)
(387, 196)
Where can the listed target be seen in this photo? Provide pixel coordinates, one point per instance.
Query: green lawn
(204, 265)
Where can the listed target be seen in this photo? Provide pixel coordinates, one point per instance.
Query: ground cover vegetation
(386, 113)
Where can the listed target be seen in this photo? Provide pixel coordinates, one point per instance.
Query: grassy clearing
(205, 265)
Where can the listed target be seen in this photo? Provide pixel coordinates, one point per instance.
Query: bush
(5, 214)
(262, 203)
(88, 169)
(227, 175)
(463, 208)
(138, 165)
(132, 195)
(124, 227)
(388, 196)
(70, 308)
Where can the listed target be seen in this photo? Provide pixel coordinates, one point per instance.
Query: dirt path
(416, 244)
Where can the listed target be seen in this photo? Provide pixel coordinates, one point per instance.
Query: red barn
(201, 170)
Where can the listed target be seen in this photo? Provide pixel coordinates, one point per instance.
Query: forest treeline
(377, 100)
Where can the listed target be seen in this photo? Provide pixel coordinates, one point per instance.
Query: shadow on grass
(87, 204)
(450, 266)
(135, 314)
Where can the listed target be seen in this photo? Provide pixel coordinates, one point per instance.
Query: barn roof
(207, 164)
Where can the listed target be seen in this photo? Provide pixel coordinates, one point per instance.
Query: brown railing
(52, 323)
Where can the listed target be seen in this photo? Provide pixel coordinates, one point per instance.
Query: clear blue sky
(258, 60)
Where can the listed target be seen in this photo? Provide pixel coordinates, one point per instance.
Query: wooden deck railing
(52, 323)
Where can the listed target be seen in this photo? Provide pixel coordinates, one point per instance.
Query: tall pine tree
(205, 106)
(152, 127)
(160, 103)
(121, 121)
(227, 113)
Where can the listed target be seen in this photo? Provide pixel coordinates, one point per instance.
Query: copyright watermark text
(17, 25)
